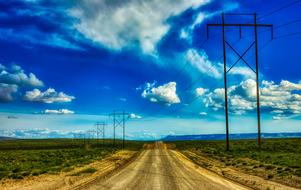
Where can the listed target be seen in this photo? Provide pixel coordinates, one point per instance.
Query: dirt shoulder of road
(209, 174)
(233, 174)
(73, 178)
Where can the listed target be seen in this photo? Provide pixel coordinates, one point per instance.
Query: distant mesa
(7, 138)
(12, 117)
(232, 136)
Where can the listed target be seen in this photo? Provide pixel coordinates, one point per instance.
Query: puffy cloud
(200, 91)
(279, 99)
(241, 97)
(246, 88)
(16, 75)
(277, 111)
(203, 113)
(289, 86)
(6, 91)
(49, 96)
(119, 24)
(215, 99)
(165, 94)
(279, 117)
(60, 111)
(134, 116)
(240, 105)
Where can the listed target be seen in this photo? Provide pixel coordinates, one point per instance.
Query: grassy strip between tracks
(278, 160)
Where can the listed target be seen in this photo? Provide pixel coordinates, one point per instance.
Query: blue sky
(67, 64)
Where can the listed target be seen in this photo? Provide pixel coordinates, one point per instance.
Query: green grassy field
(278, 159)
(20, 158)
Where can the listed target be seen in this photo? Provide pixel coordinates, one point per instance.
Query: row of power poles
(119, 120)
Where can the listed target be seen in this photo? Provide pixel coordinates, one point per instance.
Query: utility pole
(241, 58)
(97, 133)
(91, 135)
(100, 129)
(123, 126)
(114, 127)
(119, 120)
(225, 82)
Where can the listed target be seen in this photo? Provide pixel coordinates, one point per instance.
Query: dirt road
(161, 168)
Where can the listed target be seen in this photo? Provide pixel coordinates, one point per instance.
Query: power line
(288, 35)
(194, 82)
(288, 23)
(278, 26)
(180, 71)
(279, 9)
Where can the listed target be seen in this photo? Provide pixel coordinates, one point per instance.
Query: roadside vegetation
(21, 158)
(278, 159)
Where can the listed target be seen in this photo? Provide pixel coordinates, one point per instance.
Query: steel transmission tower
(255, 25)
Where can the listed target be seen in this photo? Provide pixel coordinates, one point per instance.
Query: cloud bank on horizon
(90, 57)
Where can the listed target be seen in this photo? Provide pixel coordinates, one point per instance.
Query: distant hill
(232, 136)
(7, 138)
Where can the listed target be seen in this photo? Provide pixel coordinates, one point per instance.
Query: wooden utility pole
(241, 58)
(119, 120)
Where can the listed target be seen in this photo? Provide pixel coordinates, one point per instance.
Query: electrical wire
(279, 9)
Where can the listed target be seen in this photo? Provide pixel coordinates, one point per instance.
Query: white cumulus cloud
(280, 99)
(49, 96)
(203, 113)
(165, 94)
(134, 116)
(16, 75)
(60, 111)
(200, 91)
(6, 91)
(124, 23)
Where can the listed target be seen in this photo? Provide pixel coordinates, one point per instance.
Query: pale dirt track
(161, 168)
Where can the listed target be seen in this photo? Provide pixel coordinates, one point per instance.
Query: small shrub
(89, 170)
(270, 176)
(269, 167)
(85, 171)
(16, 176)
